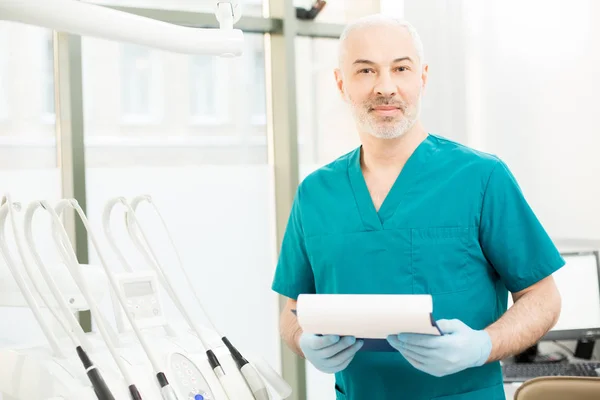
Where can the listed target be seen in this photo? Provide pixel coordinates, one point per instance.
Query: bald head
(371, 25)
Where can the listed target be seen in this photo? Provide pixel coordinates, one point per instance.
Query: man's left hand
(459, 348)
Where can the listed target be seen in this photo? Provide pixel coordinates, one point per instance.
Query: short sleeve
(511, 236)
(294, 275)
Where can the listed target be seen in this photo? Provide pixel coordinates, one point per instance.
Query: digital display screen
(134, 289)
(578, 284)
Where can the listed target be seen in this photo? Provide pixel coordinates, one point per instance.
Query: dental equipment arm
(5, 208)
(251, 377)
(60, 300)
(167, 391)
(86, 19)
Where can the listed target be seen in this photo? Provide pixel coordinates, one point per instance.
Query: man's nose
(385, 85)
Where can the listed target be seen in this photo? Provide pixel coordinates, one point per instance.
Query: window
(203, 90)
(3, 72)
(27, 142)
(259, 100)
(3, 90)
(140, 84)
(325, 127)
(48, 108)
(28, 165)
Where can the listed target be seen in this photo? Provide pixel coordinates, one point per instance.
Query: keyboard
(524, 371)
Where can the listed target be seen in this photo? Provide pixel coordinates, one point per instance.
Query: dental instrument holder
(233, 388)
(252, 378)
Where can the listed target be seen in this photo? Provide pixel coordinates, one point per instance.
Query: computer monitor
(579, 285)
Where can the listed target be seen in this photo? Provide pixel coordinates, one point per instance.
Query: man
(410, 212)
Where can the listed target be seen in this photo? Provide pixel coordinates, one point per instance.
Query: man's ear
(424, 75)
(339, 82)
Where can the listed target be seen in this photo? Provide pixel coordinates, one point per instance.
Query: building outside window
(47, 53)
(203, 89)
(3, 73)
(140, 83)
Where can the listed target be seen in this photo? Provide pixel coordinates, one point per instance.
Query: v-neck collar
(372, 219)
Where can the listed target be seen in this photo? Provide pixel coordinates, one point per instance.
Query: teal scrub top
(455, 225)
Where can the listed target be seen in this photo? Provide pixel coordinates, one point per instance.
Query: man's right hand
(329, 353)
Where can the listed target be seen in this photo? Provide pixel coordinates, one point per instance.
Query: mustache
(386, 101)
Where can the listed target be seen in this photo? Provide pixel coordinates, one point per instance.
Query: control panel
(189, 381)
(140, 290)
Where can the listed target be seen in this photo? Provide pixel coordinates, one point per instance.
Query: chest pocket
(439, 258)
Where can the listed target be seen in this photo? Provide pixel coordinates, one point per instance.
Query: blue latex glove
(329, 353)
(459, 348)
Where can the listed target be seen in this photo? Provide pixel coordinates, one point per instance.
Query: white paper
(365, 315)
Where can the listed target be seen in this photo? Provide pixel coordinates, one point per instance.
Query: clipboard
(370, 318)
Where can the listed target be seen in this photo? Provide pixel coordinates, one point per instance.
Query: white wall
(519, 79)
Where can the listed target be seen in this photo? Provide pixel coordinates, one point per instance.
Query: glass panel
(201, 153)
(48, 77)
(203, 86)
(28, 163)
(3, 72)
(325, 127)
(249, 7)
(137, 88)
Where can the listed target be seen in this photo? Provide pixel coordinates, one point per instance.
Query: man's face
(381, 78)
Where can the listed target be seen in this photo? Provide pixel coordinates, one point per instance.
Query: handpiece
(100, 387)
(166, 389)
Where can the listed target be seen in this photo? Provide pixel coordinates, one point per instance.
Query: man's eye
(402, 69)
(365, 71)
